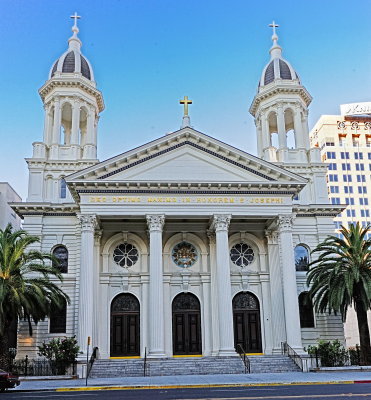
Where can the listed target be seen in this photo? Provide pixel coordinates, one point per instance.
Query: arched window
(301, 258)
(306, 310)
(58, 319)
(63, 188)
(61, 254)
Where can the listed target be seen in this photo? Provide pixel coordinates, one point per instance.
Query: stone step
(191, 366)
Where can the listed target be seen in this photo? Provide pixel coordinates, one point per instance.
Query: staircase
(190, 366)
(272, 364)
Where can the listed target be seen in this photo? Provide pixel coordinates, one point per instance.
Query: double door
(186, 333)
(247, 331)
(125, 335)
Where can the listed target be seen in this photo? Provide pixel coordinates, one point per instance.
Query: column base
(227, 353)
(156, 354)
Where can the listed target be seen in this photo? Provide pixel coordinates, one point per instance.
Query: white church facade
(184, 246)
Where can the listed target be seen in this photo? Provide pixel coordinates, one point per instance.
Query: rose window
(242, 254)
(184, 254)
(125, 255)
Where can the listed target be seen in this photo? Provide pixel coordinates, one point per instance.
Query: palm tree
(341, 277)
(26, 287)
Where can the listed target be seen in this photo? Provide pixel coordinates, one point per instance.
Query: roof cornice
(72, 83)
(274, 89)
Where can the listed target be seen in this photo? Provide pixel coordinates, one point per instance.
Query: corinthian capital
(221, 222)
(285, 222)
(155, 222)
(87, 221)
(272, 236)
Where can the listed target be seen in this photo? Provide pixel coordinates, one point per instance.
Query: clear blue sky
(147, 54)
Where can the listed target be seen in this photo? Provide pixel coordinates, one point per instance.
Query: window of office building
(348, 189)
(345, 166)
(347, 178)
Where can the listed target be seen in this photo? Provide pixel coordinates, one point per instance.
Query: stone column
(97, 325)
(281, 128)
(56, 122)
(156, 287)
(56, 130)
(47, 123)
(89, 150)
(223, 277)
(298, 129)
(265, 132)
(214, 294)
(290, 294)
(87, 279)
(276, 290)
(75, 123)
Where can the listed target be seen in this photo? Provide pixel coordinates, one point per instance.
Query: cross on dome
(75, 17)
(274, 26)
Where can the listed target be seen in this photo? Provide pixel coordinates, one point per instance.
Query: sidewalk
(197, 380)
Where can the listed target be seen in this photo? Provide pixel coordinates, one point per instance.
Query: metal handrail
(300, 361)
(244, 358)
(91, 361)
(145, 362)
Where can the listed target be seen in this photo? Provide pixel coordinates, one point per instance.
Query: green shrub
(331, 354)
(61, 353)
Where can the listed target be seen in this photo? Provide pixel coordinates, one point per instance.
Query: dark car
(8, 380)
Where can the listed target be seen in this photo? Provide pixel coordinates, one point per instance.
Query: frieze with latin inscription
(147, 200)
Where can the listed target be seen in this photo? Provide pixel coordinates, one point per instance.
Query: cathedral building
(183, 246)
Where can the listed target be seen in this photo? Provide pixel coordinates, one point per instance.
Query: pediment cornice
(196, 140)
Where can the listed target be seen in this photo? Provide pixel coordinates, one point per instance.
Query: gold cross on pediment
(185, 101)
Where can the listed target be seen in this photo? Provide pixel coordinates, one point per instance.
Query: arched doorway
(246, 321)
(186, 325)
(125, 319)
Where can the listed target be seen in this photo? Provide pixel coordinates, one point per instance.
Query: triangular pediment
(186, 156)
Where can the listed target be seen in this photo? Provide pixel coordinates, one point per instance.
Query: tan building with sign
(184, 246)
(345, 144)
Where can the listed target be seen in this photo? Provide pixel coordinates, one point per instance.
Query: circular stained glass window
(125, 255)
(242, 254)
(184, 254)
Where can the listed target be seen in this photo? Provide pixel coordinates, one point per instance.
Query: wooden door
(186, 325)
(246, 321)
(125, 332)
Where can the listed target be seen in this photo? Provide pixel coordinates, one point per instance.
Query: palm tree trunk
(4, 352)
(364, 333)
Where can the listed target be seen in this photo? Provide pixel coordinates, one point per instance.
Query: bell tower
(72, 105)
(280, 109)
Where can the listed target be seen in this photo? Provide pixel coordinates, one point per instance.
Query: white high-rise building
(345, 144)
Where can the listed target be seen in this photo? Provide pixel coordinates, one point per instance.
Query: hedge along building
(184, 245)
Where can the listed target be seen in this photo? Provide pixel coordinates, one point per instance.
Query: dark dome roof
(278, 68)
(72, 62)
